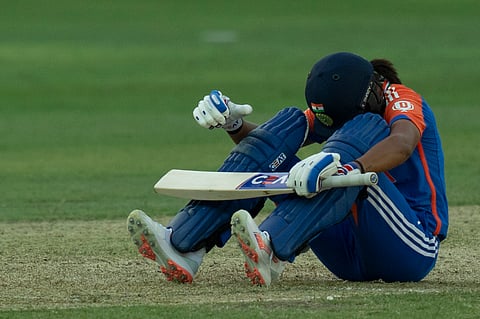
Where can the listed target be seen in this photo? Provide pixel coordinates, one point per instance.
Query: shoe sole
(139, 226)
(249, 246)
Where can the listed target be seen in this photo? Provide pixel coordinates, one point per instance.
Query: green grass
(436, 305)
(96, 100)
(97, 96)
(379, 306)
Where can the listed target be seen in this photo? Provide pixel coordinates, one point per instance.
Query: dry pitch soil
(70, 264)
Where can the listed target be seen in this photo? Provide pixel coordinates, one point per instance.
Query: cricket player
(365, 120)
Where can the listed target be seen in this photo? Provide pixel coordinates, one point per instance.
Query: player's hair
(385, 68)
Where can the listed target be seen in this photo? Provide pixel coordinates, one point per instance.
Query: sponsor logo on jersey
(402, 106)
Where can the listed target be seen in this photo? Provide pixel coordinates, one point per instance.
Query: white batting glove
(216, 110)
(306, 176)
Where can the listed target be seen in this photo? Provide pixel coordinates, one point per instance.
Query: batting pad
(270, 147)
(296, 220)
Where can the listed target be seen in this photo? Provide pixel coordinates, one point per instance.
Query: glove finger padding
(202, 117)
(216, 110)
(207, 115)
(212, 110)
(306, 175)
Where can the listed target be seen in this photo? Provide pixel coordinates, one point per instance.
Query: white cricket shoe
(261, 264)
(153, 242)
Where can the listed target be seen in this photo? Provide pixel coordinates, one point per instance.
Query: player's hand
(216, 110)
(307, 175)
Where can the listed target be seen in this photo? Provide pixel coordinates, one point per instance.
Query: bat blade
(204, 185)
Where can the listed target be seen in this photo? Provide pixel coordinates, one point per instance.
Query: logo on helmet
(324, 119)
(317, 107)
(402, 106)
(319, 111)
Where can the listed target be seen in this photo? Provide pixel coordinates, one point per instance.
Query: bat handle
(366, 179)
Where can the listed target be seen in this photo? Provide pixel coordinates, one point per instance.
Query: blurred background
(96, 96)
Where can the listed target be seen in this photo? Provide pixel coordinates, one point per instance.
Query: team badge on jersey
(403, 106)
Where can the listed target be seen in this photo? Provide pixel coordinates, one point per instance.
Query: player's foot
(153, 242)
(261, 264)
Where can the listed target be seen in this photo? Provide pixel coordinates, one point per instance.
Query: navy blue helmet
(338, 88)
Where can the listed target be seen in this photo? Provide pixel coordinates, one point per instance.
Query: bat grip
(365, 179)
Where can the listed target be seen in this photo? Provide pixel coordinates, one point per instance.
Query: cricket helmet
(338, 87)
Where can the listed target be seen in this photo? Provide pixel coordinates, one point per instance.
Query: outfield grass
(366, 307)
(79, 269)
(96, 96)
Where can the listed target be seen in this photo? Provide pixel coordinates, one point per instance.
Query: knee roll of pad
(271, 146)
(357, 136)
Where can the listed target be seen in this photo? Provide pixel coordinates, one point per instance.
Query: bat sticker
(269, 181)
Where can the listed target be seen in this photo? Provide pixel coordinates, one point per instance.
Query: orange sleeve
(403, 102)
(310, 118)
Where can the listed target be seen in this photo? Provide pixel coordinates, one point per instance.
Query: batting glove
(216, 110)
(307, 175)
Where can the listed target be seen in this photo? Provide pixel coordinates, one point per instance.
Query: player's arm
(393, 150)
(242, 132)
(307, 175)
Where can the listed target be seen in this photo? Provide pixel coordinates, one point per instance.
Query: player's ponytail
(385, 67)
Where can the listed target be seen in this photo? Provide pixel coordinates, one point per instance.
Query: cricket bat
(206, 185)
